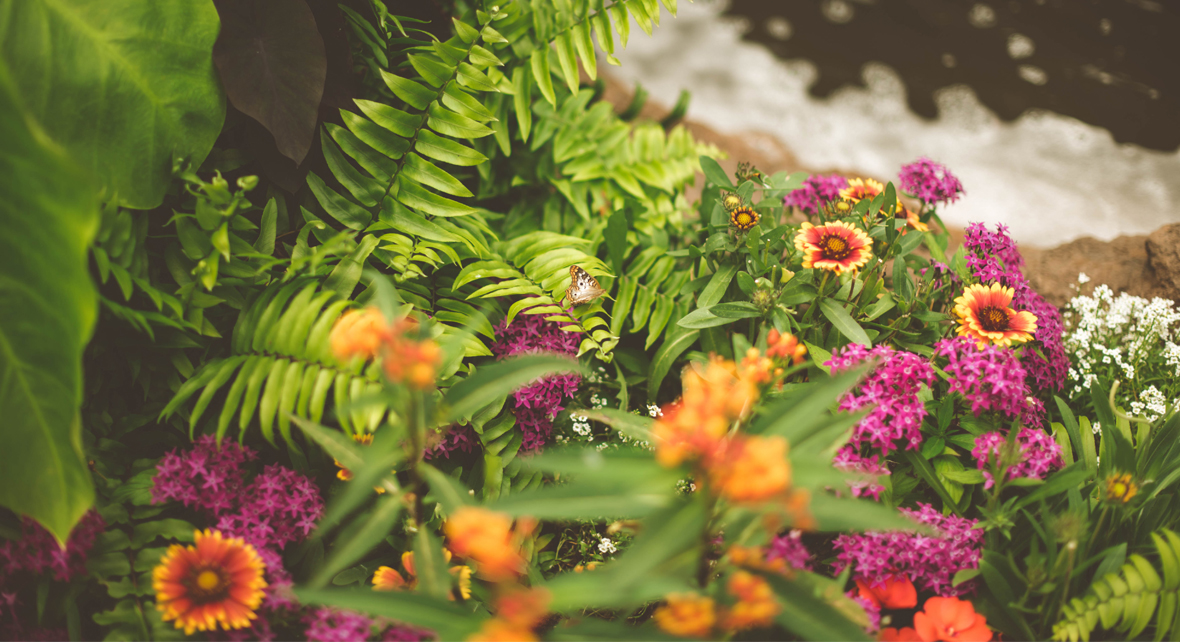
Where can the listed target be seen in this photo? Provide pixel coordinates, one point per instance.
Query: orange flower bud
(784, 346)
(756, 605)
(487, 538)
(497, 630)
(524, 608)
(686, 615)
(359, 333)
(752, 469)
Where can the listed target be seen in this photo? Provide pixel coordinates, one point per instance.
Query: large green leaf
(124, 86)
(47, 311)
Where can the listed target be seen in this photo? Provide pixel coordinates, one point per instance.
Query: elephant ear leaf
(47, 312)
(125, 87)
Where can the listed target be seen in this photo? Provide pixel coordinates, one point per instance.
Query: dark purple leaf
(271, 59)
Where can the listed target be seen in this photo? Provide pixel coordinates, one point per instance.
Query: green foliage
(126, 88)
(47, 312)
(1131, 599)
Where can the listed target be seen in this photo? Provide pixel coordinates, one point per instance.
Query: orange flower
(755, 367)
(899, 635)
(756, 605)
(835, 246)
(687, 615)
(359, 333)
(785, 346)
(911, 217)
(897, 592)
(524, 608)
(861, 188)
(950, 619)
(413, 363)
(713, 398)
(487, 538)
(215, 581)
(755, 558)
(984, 315)
(752, 469)
(497, 630)
(744, 218)
(388, 579)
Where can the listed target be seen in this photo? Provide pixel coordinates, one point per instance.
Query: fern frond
(280, 363)
(1128, 600)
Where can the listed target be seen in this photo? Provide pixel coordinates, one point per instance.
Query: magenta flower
(891, 389)
(38, 553)
(848, 460)
(536, 404)
(336, 625)
(991, 379)
(279, 507)
(930, 182)
(1039, 454)
(790, 547)
(872, 609)
(456, 439)
(994, 258)
(816, 192)
(208, 477)
(930, 562)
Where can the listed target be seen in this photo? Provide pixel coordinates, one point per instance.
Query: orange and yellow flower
(487, 538)
(359, 333)
(785, 346)
(388, 579)
(861, 188)
(752, 469)
(686, 615)
(744, 217)
(714, 396)
(216, 581)
(911, 217)
(984, 315)
(835, 246)
(949, 619)
(1120, 488)
(344, 474)
(755, 605)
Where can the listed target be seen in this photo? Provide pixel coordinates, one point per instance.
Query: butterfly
(583, 287)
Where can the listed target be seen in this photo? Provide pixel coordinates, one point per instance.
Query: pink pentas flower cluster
(208, 477)
(849, 460)
(536, 404)
(994, 258)
(1039, 454)
(930, 562)
(279, 507)
(817, 191)
(456, 439)
(991, 379)
(891, 389)
(336, 625)
(930, 181)
(790, 547)
(38, 553)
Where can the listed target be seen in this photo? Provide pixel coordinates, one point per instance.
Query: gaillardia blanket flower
(744, 218)
(218, 580)
(984, 315)
(861, 188)
(835, 246)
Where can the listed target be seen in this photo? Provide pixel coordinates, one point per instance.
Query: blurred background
(1061, 117)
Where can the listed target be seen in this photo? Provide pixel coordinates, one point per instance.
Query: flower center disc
(207, 585)
(993, 319)
(835, 247)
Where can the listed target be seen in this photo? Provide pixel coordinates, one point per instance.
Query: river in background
(1050, 178)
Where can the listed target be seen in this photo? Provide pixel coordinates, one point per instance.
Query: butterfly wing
(584, 288)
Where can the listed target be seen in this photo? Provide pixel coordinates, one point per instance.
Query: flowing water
(1050, 178)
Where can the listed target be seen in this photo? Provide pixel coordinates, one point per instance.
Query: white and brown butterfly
(583, 287)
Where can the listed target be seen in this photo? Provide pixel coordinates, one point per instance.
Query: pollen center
(835, 247)
(208, 580)
(993, 319)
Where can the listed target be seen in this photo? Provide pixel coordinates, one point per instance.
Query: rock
(1146, 266)
(1163, 255)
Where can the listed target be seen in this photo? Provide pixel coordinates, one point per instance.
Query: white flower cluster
(605, 546)
(597, 402)
(581, 425)
(1127, 339)
(654, 410)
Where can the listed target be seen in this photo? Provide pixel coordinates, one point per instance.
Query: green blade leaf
(47, 311)
(844, 322)
(449, 620)
(714, 173)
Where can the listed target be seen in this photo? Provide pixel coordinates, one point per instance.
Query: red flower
(949, 619)
(899, 635)
(897, 592)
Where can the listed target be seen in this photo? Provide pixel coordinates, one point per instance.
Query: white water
(1050, 178)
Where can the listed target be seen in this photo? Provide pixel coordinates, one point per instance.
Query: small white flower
(606, 547)
(655, 411)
